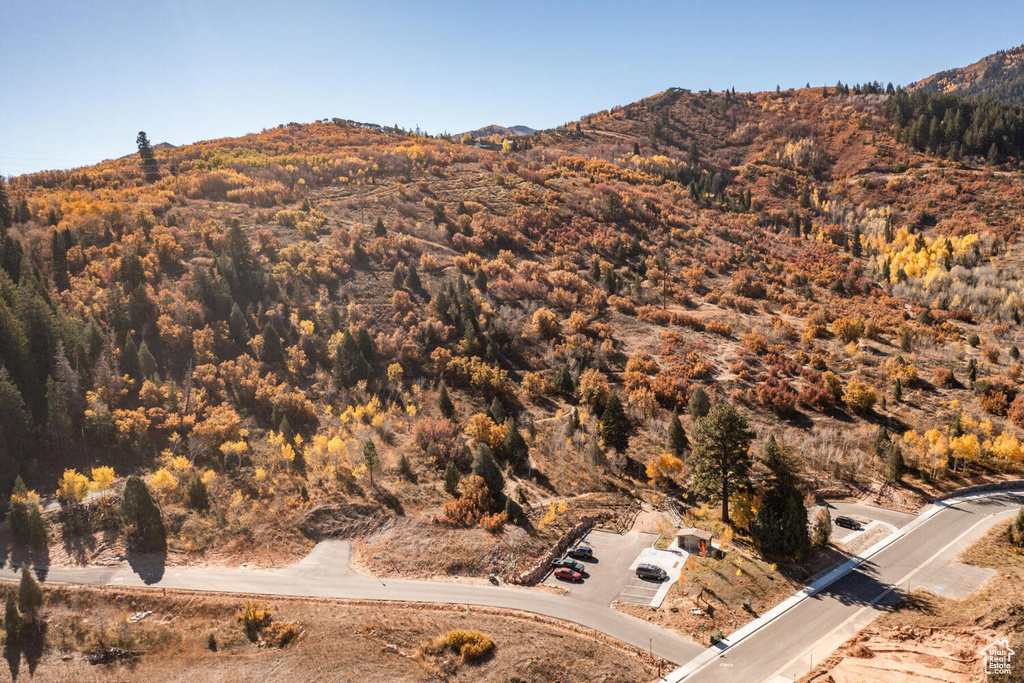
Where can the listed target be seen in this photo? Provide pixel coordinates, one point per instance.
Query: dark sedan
(847, 522)
(582, 552)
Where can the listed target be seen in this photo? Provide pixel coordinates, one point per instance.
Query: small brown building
(694, 540)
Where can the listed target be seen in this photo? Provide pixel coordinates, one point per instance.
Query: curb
(831, 577)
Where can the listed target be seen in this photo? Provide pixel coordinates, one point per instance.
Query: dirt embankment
(927, 638)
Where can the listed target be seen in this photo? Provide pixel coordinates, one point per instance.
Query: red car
(567, 574)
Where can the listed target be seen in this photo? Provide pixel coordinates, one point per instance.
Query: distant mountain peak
(999, 76)
(503, 131)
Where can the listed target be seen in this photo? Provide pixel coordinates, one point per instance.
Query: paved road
(863, 513)
(815, 625)
(786, 646)
(325, 573)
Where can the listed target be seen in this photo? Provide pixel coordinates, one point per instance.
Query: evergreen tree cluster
(780, 526)
(956, 127)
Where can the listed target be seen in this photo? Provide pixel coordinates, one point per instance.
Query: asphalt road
(815, 625)
(325, 573)
(779, 648)
(865, 513)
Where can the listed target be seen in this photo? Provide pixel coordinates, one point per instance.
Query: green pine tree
(780, 526)
(58, 422)
(237, 325)
(147, 364)
(486, 468)
(720, 454)
(272, 350)
(38, 536)
(6, 214)
(699, 404)
(150, 169)
(18, 513)
(821, 532)
(563, 383)
(452, 479)
(514, 448)
(615, 426)
(676, 435)
(896, 465)
(370, 458)
(196, 495)
(444, 403)
(142, 517)
(30, 595)
(497, 411)
(130, 364)
(404, 466)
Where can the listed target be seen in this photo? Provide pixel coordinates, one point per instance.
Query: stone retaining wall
(994, 486)
(543, 566)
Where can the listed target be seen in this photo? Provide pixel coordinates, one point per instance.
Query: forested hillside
(999, 76)
(318, 324)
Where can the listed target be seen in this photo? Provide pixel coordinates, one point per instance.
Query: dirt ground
(419, 548)
(929, 638)
(340, 641)
(906, 655)
(727, 584)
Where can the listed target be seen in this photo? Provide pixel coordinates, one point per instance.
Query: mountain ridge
(999, 75)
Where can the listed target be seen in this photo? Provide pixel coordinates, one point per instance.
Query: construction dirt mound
(905, 655)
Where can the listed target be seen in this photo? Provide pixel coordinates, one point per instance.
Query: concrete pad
(953, 580)
(671, 561)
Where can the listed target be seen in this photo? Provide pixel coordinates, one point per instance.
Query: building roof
(699, 533)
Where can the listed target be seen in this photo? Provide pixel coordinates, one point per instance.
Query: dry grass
(341, 641)
(726, 584)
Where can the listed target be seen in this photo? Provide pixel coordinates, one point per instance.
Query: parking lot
(869, 517)
(639, 591)
(608, 573)
(611, 574)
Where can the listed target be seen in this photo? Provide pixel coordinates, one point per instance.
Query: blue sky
(80, 79)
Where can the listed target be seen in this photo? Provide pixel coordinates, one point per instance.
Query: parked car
(649, 571)
(567, 563)
(567, 574)
(584, 552)
(848, 522)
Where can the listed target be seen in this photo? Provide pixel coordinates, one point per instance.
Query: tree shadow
(799, 420)
(30, 643)
(40, 558)
(78, 547)
(149, 566)
(861, 588)
(12, 653)
(388, 500)
(920, 602)
(33, 643)
(541, 480)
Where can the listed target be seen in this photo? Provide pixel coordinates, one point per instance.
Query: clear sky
(79, 78)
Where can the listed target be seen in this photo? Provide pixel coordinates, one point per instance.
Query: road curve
(770, 650)
(325, 573)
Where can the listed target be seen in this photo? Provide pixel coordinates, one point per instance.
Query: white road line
(714, 652)
(905, 580)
